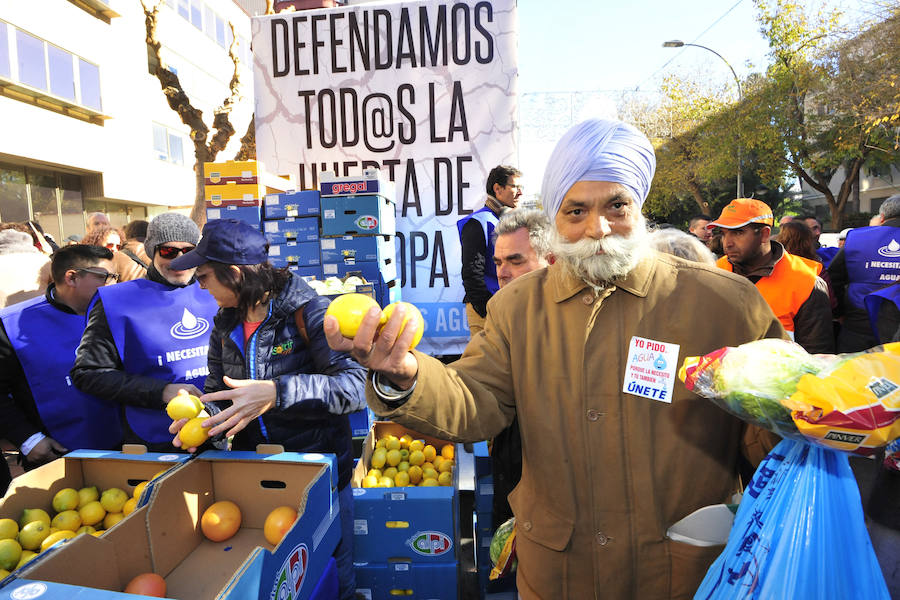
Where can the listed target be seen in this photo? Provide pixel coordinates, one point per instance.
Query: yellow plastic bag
(855, 407)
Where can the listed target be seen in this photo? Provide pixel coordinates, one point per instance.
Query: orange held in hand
(221, 521)
(278, 523)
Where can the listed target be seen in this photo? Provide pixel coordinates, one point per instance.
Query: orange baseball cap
(743, 211)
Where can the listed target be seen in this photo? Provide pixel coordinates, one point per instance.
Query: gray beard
(600, 262)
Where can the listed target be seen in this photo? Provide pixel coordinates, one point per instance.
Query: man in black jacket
(42, 414)
(148, 338)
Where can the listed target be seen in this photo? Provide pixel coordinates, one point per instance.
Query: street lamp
(679, 44)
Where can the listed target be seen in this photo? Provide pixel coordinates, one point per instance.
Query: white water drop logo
(189, 326)
(892, 250)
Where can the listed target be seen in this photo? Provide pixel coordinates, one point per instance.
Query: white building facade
(85, 124)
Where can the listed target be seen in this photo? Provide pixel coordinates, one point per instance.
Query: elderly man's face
(596, 209)
(514, 256)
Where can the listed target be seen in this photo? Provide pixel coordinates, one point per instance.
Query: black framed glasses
(106, 275)
(169, 252)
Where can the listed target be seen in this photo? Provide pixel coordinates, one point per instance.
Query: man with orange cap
(790, 284)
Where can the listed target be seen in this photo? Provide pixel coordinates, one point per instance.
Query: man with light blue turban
(585, 353)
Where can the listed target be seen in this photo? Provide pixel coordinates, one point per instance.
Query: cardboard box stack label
(358, 231)
(406, 539)
(235, 189)
(164, 535)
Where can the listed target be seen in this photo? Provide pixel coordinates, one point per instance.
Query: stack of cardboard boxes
(234, 190)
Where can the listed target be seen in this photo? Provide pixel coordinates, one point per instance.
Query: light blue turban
(599, 150)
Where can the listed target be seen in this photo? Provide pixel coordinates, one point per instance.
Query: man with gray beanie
(585, 354)
(148, 338)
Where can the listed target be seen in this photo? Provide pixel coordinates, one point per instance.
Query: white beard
(600, 262)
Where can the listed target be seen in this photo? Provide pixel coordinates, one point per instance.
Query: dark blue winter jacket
(316, 387)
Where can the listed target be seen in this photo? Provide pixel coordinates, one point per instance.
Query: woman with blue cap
(268, 356)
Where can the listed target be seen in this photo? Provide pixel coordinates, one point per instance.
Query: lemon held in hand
(411, 311)
(349, 311)
(193, 434)
(184, 406)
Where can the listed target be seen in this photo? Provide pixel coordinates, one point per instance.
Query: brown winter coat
(604, 473)
(126, 266)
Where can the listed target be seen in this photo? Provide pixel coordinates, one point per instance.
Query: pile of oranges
(223, 519)
(404, 461)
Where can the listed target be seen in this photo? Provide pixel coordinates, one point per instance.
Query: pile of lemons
(403, 461)
(75, 512)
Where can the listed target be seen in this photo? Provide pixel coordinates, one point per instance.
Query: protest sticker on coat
(650, 371)
(425, 92)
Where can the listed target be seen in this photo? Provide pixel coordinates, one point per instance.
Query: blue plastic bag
(799, 533)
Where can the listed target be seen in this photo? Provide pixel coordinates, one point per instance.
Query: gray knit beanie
(170, 227)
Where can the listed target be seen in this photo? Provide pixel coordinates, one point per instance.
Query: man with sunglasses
(476, 232)
(42, 413)
(148, 338)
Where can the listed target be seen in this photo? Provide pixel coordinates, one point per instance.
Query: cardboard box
(360, 422)
(304, 254)
(386, 581)
(244, 192)
(375, 272)
(164, 535)
(292, 229)
(352, 249)
(242, 211)
(306, 272)
(370, 182)
(484, 493)
(413, 524)
(242, 172)
(355, 215)
(291, 204)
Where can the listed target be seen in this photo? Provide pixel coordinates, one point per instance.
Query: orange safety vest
(788, 287)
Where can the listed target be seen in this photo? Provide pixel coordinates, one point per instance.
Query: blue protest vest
(826, 253)
(488, 222)
(44, 339)
(873, 304)
(873, 260)
(160, 332)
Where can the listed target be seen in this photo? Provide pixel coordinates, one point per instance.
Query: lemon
(392, 442)
(429, 474)
(31, 536)
(415, 474)
(159, 473)
(437, 462)
(379, 457)
(10, 553)
(445, 466)
(405, 441)
(375, 473)
(416, 458)
(390, 472)
(411, 311)
(429, 452)
(447, 451)
(129, 507)
(85, 529)
(113, 499)
(380, 443)
(69, 520)
(416, 445)
(9, 529)
(139, 489)
(26, 556)
(349, 310)
(401, 479)
(427, 465)
(403, 466)
(386, 482)
(393, 457)
(184, 406)
(3, 574)
(193, 434)
(370, 481)
(111, 519)
(445, 478)
(56, 537)
(92, 513)
(430, 482)
(87, 494)
(65, 499)
(33, 514)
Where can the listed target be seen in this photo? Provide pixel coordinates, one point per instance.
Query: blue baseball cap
(227, 241)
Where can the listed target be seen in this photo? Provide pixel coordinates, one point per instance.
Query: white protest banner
(425, 92)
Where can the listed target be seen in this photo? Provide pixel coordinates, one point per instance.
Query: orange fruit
(221, 520)
(147, 584)
(278, 522)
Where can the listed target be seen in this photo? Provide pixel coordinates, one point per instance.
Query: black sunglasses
(168, 252)
(107, 276)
